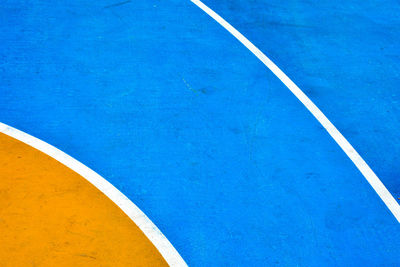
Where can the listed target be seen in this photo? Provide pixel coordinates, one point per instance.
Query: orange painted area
(51, 216)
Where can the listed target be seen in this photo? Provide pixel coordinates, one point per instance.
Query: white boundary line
(165, 248)
(368, 173)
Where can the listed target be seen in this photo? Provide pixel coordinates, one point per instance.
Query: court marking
(358, 161)
(151, 231)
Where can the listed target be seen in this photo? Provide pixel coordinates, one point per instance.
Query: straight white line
(165, 248)
(371, 177)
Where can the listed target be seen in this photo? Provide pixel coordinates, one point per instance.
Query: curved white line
(368, 173)
(166, 249)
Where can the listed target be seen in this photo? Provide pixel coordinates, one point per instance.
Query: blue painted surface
(171, 109)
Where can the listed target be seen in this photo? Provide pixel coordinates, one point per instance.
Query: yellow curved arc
(51, 216)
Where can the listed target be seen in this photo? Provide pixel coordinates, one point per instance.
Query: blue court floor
(183, 119)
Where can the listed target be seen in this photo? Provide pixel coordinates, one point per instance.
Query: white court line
(368, 173)
(165, 248)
